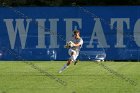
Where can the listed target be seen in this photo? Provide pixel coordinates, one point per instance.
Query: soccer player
(74, 49)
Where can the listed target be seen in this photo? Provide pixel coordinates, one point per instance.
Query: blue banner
(40, 33)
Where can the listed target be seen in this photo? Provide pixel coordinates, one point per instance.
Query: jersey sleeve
(81, 42)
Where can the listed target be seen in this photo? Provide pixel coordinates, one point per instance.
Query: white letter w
(19, 27)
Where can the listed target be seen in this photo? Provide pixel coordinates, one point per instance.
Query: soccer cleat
(60, 71)
(76, 62)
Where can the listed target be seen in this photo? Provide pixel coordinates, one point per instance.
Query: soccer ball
(70, 44)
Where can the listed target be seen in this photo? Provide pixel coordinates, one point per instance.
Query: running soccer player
(74, 49)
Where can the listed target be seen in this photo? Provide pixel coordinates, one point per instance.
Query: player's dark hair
(76, 31)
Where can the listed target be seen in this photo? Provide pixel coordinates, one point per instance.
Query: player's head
(76, 33)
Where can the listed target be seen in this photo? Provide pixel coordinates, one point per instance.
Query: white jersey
(80, 40)
(75, 49)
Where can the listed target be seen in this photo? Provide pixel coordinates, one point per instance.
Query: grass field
(85, 77)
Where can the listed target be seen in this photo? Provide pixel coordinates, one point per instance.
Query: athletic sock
(76, 61)
(63, 68)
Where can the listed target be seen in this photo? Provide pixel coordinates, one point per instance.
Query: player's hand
(66, 46)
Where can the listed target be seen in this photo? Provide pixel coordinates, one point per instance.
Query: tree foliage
(68, 2)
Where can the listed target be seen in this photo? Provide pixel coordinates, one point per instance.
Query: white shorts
(74, 57)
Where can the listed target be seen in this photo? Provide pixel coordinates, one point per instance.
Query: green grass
(85, 77)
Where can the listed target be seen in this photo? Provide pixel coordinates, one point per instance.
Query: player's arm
(77, 44)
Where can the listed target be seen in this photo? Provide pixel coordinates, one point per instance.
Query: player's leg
(65, 66)
(72, 58)
(72, 53)
(76, 61)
